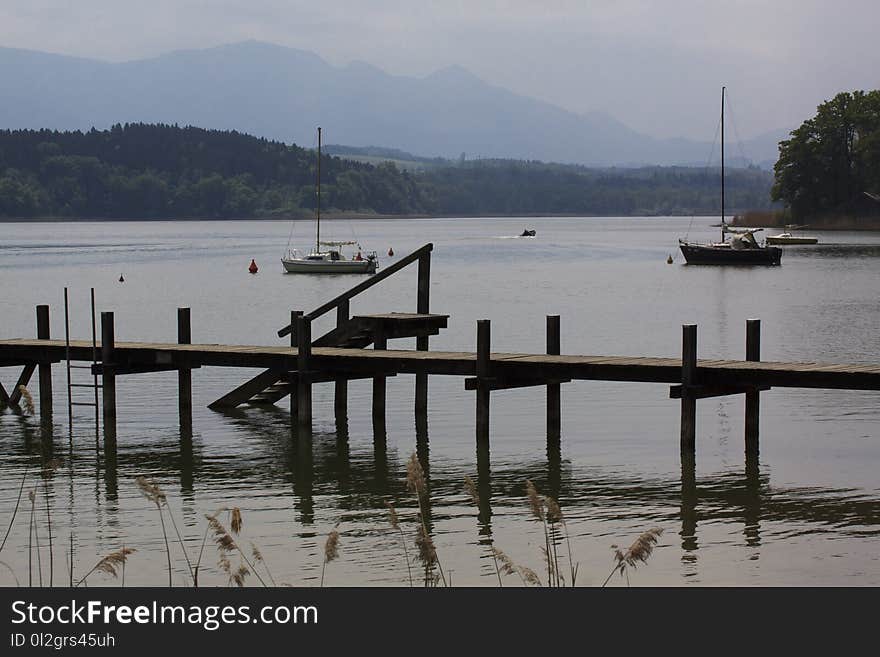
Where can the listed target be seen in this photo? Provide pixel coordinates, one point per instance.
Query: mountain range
(283, 93)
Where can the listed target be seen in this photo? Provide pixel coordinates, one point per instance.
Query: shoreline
(841, 224)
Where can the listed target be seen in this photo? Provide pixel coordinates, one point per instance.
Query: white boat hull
(303, 266)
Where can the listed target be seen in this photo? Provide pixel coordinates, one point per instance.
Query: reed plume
(226, 545)
(15, 510)
(471, 489)
(109, 563)
(416, 483)
(27, 400)
(235, 520)
(48, 470)
(636, 553)
(155, 495)
(258, 558)
(331, 551)
(394, 521)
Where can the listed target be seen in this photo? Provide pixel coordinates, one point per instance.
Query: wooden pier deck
(454, 363)
(343, 354)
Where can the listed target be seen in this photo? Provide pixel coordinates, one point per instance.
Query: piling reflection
(361, 476)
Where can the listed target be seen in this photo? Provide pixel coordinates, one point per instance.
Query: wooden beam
(340, 388)
(184, 373)
(23, 379)
(554, 408)
(688, 381)
(496, 383)
(108, 380)
(247, 389)
(483, 373)
(45, 368)
(303, 386)
(753, 398)
(706, 392)
(367, 284)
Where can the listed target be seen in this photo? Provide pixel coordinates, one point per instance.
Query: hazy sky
(658, 66)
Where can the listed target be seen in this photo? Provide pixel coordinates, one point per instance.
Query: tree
(832, 158)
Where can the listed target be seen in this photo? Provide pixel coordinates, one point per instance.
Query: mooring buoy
(121, 279)
(253, 267)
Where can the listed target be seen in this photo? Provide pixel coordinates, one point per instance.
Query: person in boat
(359, 257)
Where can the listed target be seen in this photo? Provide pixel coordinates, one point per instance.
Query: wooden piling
(483, 351)
(422, 307)
(753, 402)
(45, 369)
(108, 379)
(340, 397)
(184, 373)
(688, 379)
(379, 342)
(303, 381)
(291, 378)
(554, 411)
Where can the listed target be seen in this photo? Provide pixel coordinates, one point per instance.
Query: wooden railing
(341, 303)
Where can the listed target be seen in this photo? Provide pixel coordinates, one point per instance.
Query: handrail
(365, 285)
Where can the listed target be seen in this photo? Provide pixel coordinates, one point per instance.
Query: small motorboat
(788, 238)
(528, 232)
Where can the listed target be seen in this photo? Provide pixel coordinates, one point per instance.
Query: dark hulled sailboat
(741, 249)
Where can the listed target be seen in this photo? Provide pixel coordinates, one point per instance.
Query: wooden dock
(342, 355)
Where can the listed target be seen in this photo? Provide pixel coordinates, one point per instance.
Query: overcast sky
(658, 66)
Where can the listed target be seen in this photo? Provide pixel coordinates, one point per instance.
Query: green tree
(831, 158)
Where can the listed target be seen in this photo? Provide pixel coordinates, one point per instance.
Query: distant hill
(282, 93)
(166, 171)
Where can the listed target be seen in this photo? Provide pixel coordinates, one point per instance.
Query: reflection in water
(319, 465)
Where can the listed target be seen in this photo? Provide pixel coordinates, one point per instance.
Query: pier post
(483, 358)
(45, 369)
(108, 380)
(379, 342)
(340, 398)
(304, 384)
(688, 379)
(554, 413)
(423, 305)
(753, 401)
(291, 380)
(184, 373)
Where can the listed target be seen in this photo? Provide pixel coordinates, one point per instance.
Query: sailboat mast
(722, 164)
(318, 224)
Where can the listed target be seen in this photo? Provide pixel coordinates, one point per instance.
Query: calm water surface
(808, 513)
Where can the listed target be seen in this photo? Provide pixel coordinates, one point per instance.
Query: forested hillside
(163, 171)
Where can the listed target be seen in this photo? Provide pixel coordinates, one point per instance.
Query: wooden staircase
(361, 331)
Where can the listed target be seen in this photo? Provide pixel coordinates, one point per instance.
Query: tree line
(830, 167)
(166, 171)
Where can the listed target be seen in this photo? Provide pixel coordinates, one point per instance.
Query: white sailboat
(328, 257)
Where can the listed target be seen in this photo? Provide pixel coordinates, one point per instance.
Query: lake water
(808, 513)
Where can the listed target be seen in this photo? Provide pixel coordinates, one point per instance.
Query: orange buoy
(390, 252)
(253, 268)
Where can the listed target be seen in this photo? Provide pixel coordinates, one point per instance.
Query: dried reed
(331, 551)
(48, 469)
(27, 400)
(394, 520)
(153, 493)
(471, 489)
(427, 552)
(109, 563)
(15, 510)
(225, 545)
(636, 553)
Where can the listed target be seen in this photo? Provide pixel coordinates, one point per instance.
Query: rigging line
(736, 132)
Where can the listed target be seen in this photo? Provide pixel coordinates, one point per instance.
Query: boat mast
(722, 164)
(318, 225)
